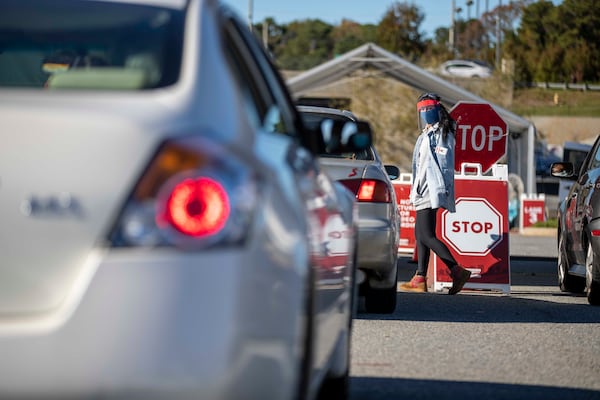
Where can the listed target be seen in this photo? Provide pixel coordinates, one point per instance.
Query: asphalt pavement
(533, 244)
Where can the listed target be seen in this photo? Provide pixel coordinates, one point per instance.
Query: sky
(437, 12)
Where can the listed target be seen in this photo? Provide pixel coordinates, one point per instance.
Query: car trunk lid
(63, 177)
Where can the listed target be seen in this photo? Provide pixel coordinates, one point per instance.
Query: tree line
(546, 42)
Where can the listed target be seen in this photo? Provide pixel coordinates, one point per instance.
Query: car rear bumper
(595, 243)
(163, 324)
(377, 250)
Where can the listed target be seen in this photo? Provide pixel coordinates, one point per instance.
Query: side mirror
(392, 171)
(562, 170)
(346, 136)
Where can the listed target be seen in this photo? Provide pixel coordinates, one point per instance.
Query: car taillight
(198, 207)
(193, 194)
(368, 190)
(595, 232)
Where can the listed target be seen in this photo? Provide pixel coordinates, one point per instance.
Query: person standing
(433, 188)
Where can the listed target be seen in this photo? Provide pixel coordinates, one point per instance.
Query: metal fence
(565, 86)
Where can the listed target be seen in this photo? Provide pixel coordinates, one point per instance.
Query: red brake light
(368, 190)
(198, 207)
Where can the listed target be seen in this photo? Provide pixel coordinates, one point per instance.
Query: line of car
(173, 227)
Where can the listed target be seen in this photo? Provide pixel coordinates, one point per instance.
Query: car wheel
(592, 286)
(382, 301)
(566, 282)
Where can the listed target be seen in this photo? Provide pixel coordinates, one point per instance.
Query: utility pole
(498, 35)
(250, 7)
(451, 31)
(265, 34)
(457, 10)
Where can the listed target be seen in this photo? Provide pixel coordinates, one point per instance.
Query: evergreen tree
(398, 30)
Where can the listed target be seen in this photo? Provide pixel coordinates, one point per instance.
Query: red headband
(427, 103)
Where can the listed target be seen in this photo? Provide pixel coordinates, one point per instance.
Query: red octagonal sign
(474, 229)
(480, 135)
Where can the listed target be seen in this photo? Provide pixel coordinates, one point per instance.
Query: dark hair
(446, 122)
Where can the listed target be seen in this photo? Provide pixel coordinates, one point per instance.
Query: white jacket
(433, 170)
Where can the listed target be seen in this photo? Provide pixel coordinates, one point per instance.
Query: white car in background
(466, 69)
(167, 232)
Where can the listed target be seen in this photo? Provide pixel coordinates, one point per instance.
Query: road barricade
(532, 210)
(407, 212)
(477, 233)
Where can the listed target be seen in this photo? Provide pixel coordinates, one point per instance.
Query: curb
(545, 232)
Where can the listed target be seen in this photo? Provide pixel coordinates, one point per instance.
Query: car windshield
(313, 121)
(67, 44)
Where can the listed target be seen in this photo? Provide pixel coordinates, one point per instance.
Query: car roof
(179, 4)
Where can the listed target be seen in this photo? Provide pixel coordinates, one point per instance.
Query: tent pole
(530, 186)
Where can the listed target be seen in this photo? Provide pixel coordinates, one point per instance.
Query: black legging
(426, 239)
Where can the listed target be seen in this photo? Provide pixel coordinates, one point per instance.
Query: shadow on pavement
(484, 308)
(396, 388)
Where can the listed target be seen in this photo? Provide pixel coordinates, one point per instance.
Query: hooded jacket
(433, 170)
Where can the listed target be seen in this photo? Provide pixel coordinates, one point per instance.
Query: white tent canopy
(521, 138)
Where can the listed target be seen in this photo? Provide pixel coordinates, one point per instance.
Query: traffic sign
(532, 210)
(474, 229)
(481, 135)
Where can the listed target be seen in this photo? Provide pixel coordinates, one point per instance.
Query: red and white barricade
(477, 233)
(407, 213)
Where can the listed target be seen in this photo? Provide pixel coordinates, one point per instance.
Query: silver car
(466, 69)
(166, 229)
(370, 181)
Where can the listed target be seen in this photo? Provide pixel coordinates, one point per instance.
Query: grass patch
(553, 102)
(549, 223)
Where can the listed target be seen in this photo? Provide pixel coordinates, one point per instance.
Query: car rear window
(313, 121)
(69, 44)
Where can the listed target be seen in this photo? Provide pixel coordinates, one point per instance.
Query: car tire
(592, 286)
(382, 301)
(567, 282)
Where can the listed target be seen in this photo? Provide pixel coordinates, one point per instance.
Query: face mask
(430, 115)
